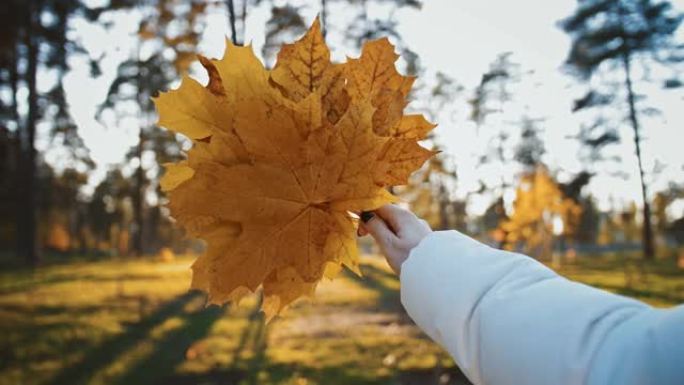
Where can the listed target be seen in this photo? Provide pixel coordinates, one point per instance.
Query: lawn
(134, 322)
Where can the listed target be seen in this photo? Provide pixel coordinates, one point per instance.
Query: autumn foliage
(539, 201)
(281, 158)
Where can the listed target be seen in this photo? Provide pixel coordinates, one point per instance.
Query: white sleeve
(507, 319)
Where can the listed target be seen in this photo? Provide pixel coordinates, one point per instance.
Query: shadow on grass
(33, 283)
(170, 350)
(374, 279)
(254, 341)
(116, 302)
(390, 300)
(110, 350)
(274, 373)
(249, 359)
(250, 364)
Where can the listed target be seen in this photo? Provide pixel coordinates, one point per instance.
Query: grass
(133, 322)
(659, 283)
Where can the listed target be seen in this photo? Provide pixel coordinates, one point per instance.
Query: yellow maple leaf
(279, 160)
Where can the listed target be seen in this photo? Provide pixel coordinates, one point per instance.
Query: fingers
(364, 216)
(378, 229)
(396, 230)
(395, 216)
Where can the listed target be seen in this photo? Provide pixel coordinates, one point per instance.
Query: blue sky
(457, 37)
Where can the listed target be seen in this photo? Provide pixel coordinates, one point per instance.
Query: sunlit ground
(123, 322)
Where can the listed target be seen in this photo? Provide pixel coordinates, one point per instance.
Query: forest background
(560, 130)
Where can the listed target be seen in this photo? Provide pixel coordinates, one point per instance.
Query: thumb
(378, 229)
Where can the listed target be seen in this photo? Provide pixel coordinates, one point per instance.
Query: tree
(233, 17)
(431, 191)
(365, 26)
(107, 209)
(35, 39)
(539, 207)
(491, 98)
(9, 147)
(61, 206)
(602, 131)
(430, 195)
(493, 92)
(166, 26)
(587, 224)
(531, 148)
(617, 33)
(286, 22)
(669, 228)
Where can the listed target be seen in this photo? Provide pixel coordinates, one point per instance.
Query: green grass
(659, 283)
(133, 322)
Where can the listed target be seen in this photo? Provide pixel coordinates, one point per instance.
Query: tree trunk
(503, 217)
(136, 233)
(231, 19)
(243, 19)
(324, 12)
(15, 150)
(27, 237)
(138, 196)
(647, 229)
(443, 203)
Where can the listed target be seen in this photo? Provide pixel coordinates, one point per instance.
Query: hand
(397, 231)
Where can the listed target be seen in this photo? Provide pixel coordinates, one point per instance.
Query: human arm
(507, 319)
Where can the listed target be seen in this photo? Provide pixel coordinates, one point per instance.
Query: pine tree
(619, 33)
(530, 148)
(491, 99)
(166, 25)
(35, 39)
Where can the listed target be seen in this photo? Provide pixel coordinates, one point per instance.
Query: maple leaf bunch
(279, 160)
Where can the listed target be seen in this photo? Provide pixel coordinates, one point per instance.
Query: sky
(456, 37)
